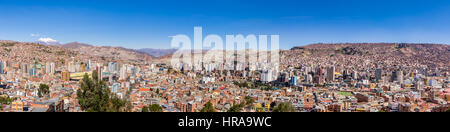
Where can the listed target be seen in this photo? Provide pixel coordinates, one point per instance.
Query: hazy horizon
(245, 48)
(148, 24)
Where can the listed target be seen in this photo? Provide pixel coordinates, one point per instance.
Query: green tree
(208, 108)
(283, 107)
(128, 106)
(155, 108)
(5, 100)
(94, 96)
(447, 110)
(116, 104)
(236, 107)
(152, 108)
(145, 109)
(43, 90)
(249, 100)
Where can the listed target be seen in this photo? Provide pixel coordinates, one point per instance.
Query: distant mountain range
(27, 51)
(149, 51)
(157, 52)
(35, 51)
(74, 45)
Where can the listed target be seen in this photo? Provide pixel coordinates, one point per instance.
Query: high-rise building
(65, 75)
(284, 77)
(82, 68)
(71, 66)
(99, 70)
(88, 64)
(308, 78)
(318, 75)
(111, 66)
(355, 75)
(116, 67)
(393, 76)
(1, 67)
(438, 72)
(424, 70)
(378, 74)
(397, 75)
(345, 74)
(266, 76)
(115, 88)
(123, 73)
(47, 67)
(432, 82)
(32, 71)
(50, 67)
(400, 76)
(77, 67)
(293, 81)
(25, 69)
(330, 73)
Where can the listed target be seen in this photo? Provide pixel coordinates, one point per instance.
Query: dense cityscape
(363, 77)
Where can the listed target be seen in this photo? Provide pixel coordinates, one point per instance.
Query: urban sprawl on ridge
(379, 77)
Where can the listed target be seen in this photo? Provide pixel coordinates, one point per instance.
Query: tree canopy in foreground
(94, 96)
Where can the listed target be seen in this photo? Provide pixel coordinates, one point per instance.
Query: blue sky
(147, 24)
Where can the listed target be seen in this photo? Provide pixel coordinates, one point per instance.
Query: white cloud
(47, 41)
